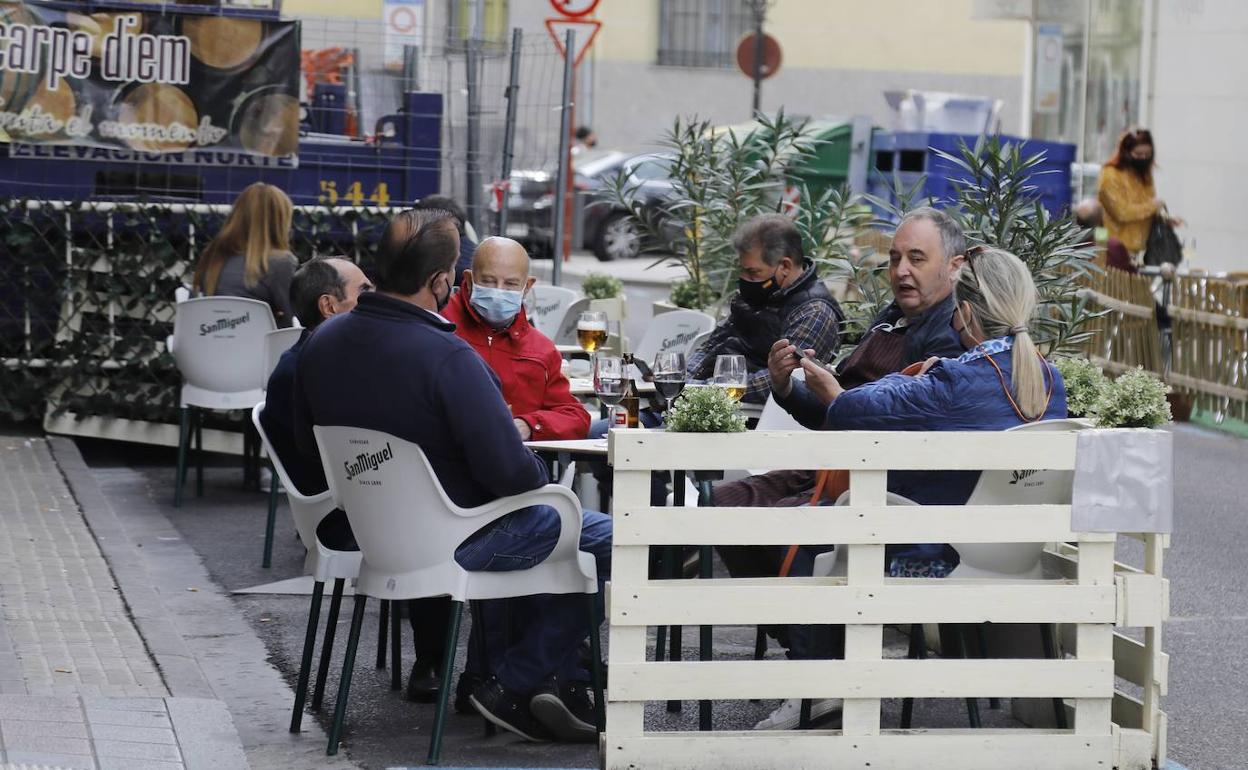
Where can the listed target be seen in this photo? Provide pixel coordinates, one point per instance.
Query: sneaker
(566, 709)
(504, 709)
(789, 713)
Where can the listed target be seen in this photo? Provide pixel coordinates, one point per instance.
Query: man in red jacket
(488, 314)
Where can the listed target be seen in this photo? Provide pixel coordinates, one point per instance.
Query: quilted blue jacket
(954, 395)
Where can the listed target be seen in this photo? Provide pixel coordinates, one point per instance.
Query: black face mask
(445, 298)
(758, 292)
(1140, 165)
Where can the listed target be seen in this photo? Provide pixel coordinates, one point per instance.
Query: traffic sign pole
(564, 180)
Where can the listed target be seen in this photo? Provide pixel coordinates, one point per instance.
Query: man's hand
(523, 428)
(781, 362)
(821, 382)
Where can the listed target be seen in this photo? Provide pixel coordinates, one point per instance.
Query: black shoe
(566, 709)
(463, 692)
(423, 683)
(504, 709)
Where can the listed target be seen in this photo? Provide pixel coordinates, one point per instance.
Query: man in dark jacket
(395, 365)
(779, 295)
(488, 314)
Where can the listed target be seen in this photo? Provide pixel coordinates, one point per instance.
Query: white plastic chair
(276, 343)
(565, 333)
(550, 306)
(408, 530)
(322, 563)
(673, 332)
(699, 341)
(219, 345)
(1038, 487)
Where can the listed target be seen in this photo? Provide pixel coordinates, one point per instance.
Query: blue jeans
(556, 623)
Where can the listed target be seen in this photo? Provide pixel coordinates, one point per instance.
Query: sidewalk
(78, 687)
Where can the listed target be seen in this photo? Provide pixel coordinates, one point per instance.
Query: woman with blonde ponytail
(1001, 381)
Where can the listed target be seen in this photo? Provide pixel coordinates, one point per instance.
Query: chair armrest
(562, 499)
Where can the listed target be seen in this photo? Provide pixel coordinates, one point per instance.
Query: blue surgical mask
(497, 306)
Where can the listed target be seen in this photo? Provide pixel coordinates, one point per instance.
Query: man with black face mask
(779, 296)
(394, 364)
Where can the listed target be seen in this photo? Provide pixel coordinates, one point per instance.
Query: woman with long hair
(1128, 198)
(250, 256)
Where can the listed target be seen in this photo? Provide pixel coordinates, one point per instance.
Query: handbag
(1163, 244)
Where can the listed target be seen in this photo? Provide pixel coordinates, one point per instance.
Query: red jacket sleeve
(561, 416)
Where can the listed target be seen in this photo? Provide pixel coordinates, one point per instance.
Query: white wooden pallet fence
(1090, 599)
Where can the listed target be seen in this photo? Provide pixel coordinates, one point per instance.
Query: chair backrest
(400, 516)
(307, 511)
(673, 332)
(699, 341)
(276, 343)
(1017, 487)
(566, 331)
(550, 305)
(219, 343)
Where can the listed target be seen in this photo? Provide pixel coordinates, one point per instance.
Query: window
(702, 33)
(495, 36)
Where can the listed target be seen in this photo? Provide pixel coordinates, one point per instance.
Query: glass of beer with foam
(591, 331)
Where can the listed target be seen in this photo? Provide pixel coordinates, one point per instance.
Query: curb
(177, 665)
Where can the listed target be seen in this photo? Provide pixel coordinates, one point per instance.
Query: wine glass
(669, 376)
(610, 384)
(591, 330)
(730, 374)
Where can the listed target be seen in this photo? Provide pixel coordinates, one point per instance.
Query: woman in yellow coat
(1128, 198)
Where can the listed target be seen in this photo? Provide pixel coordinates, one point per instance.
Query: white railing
(1087, 602)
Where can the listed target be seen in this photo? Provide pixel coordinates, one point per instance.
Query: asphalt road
(1207, 637)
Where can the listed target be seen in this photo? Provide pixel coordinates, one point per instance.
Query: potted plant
(602, 286)
(1085, 382)
(1137, 399)
(705, 410)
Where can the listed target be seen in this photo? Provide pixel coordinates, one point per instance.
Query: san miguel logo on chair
(369, 461)
(223, 324)
(1020, 475)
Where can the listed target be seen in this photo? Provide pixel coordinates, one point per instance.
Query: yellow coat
(1127, 204)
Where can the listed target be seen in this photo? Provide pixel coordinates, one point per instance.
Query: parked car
(598, 223)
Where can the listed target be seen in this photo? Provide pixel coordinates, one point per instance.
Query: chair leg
(305, 663)
(972, 704)
(760, 643)
(1048, 632)
(383, 628)
(704, 632)
(981, 639)
(327, 646)
(918, 651)
(348, 666)
(271, 521)
(595, 663)
(199, 452)
(184, 440)
(396, 646)
(444, 692)
(477, 653)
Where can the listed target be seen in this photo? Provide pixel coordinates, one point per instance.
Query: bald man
(488, 313)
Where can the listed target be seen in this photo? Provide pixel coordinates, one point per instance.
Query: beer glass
(591, 331)
(731, 375)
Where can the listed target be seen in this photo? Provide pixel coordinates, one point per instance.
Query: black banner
(150, 83)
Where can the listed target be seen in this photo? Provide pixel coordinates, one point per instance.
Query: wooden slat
(848, 524)
(811, 450)
(983, 749)
(864, 644)
(1131, 662)
(627, 644)
(894, 678)
(722, 602)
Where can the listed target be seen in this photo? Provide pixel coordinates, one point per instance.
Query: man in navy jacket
(394, 364)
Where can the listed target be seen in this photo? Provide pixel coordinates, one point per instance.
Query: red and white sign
(790, 201)
(586, 31)
(574, 9)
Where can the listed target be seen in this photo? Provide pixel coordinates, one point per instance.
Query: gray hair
(774, 235)
(952, 240)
